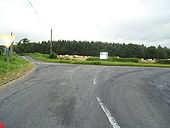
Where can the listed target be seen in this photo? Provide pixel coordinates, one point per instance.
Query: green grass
(16, 66)
(17, 63)
(45, 57)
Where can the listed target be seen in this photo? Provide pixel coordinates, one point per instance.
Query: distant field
(16, 66)
(45, 57)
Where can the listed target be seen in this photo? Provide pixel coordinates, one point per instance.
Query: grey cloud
(153, 28)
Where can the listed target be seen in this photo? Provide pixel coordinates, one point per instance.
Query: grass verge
(45, 57)
(15, 68)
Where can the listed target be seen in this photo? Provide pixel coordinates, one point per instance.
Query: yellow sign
(7, 40)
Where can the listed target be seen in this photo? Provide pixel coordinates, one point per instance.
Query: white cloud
(136, 21)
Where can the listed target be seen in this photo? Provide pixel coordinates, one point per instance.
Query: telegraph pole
(51, 43)
(11, 49)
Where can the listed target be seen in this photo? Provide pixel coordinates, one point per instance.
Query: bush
(134, 60)
(163, 61)
(93, 58)
(53, 55)
(1, 50)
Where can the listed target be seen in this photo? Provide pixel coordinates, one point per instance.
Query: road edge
(4, 84)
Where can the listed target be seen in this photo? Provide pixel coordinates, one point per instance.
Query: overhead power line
(36, 13)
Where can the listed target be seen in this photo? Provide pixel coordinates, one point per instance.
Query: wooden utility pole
(11, 49)
(51, 45)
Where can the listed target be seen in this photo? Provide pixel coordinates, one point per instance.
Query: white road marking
(108, 114)
(94, 81)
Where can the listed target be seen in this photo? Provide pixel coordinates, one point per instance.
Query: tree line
(91, 48)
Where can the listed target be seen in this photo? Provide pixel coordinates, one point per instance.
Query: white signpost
(103, 55)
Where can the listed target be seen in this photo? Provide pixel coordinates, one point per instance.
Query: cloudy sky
(130, 21)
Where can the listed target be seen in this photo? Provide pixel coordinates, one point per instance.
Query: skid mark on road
(108, 114)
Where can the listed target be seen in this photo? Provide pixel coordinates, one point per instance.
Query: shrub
(134, 60)
(53, 55)
(163, 61)
(93, 58)
(1, 50)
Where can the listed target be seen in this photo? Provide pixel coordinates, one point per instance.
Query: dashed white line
(94, 81)
(108, 114)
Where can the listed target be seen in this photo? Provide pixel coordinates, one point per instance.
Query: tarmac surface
(87, 96)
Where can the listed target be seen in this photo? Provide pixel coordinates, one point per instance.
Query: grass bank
(16, 67)
(45, 57)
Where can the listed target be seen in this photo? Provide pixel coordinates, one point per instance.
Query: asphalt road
(88, 96)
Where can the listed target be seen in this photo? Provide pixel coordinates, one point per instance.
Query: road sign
(103, 55)
(8, 39)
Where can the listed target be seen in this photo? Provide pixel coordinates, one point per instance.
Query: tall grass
(16, 63)
(16, 67)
